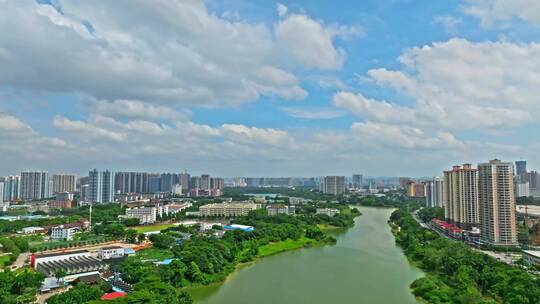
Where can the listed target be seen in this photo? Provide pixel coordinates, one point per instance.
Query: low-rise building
(63, 232)
(58, 204)
(146, 215)
(111, 252)
(32, 230)
(64, 196)
(531, 257)
(228, 209)
(276, 209)
(328, 211)
(298, 200)
(173, 209)
(75, 263)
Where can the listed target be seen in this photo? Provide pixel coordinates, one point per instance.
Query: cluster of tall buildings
(482, 197)
(527, 183)
(34, 185)
(101, 186)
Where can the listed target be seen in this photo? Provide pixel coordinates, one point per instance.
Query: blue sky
(289, 88)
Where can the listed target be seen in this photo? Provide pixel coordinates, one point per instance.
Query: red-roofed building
(113, 295)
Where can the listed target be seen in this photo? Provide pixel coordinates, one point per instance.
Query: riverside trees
(457, 274)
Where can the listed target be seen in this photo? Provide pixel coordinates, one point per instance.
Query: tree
(194, 274)
(131, 221)
(131, 236)
(163, 241)
(60, 274)
(81, 293)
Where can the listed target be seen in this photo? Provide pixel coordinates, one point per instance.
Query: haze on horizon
(265, 88)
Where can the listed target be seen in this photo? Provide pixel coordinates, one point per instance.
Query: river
(365, 266)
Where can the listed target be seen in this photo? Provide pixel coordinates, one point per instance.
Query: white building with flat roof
(228, 209)
(63, 233)
(328, 211)
(146, 215)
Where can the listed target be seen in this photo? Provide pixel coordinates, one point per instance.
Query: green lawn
(328, 228)
(4, 260)
(155, 253)
(159, 227)
(274, 248)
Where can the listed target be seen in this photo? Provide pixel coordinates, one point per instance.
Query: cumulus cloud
(241, 133)
(460, 85)
(493, 12)
(184, 54)
(87, 130)
(407, 137)
(134, 109)
(311, 43)
(10, 123)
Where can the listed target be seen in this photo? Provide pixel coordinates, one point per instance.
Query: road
(21, 259)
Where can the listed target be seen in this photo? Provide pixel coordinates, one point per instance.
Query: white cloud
(282, 9)
(87, 130)
(372, 109)
(10, 123)
(493, 12)
(134, 109)
(406, 137)
(460, 84)
(183, 55)
(244, 134)
(309, 42)
(313, 112)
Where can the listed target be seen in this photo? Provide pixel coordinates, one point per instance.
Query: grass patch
(4, 260)
(143, 229)
(278, 247)
(329, 228)
(155, 253)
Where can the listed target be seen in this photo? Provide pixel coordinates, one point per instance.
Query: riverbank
(363, 266)
(457, 274)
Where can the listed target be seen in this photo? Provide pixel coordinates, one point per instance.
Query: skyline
(264, 88)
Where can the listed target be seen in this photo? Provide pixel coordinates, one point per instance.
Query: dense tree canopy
(457, 274)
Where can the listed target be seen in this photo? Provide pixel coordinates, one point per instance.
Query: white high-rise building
(334, 185)
(434, 192)
(100, 186)
(460, 196)
(522, 189)
(35, 185)
(12, 189)
(498, 225)
(1, 193)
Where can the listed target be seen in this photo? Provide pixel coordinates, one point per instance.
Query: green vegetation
(394, 199)
(282, 246)
(19, 287)
(143, 229)
(155, 254)
(51, 245)
(427, 214)
(457, 274)
(102, 213)
(203, 260)
(14, 246)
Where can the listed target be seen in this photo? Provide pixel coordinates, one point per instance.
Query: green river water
(365, 266)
